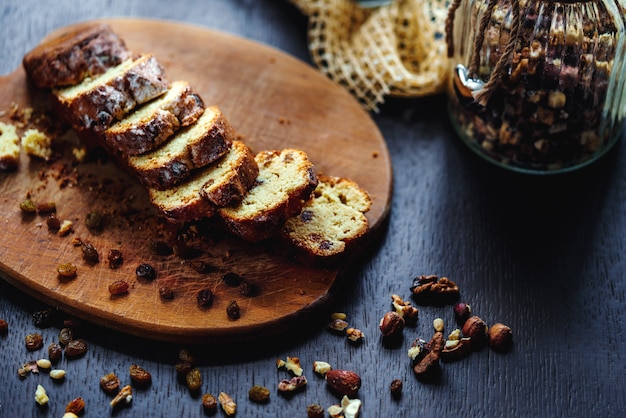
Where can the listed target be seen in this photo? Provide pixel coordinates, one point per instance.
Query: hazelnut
(391, 325)
(462, 311)
(476, 329)
(500, 337)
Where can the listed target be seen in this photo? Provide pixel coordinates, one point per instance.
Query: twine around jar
(482, 95)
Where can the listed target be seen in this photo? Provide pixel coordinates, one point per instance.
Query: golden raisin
(259, 394)
(75, 348)
(66, 270)
(110, 382)
(139, 375)
(118, 287)
(209, 403)
(75, 406)
(193, 379)
(33, 341)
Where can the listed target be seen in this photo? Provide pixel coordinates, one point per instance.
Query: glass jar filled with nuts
(538, 86)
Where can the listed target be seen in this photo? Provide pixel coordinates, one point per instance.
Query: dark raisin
(4, 327)
(396, 388)
(166, 293)
(205, 297)
(93, 220)
(232, 279)
(33, 341)
(203, 267)
(306, 215)
(247, 289)
(53, 222)
(139, 375)
(55, 352)
(75, 348)
(45, 318)
(46, 207)
(115, 259)
(65, 336)
(161, 248)
(90, 253)
(232, 310)
(145, 271)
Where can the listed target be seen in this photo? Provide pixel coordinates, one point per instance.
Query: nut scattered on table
(228, 405)
(433, 290)
(57, 374)
(259, 394)
(290, 386)
(476, 329)
(41, 397)
(343, 382)
(391, 325)
(33, 341)
(500, 337)
(124, 396)
(209, 403)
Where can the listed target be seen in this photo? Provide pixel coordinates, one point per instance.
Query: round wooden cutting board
(273, 101)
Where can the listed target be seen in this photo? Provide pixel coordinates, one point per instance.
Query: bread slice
(81, 52)
(98, 102)
(196, 146)
(331, 220)
(9, 147)
(184, 202)
(286, 179)
(153, 123)
(230, 178)
(218, 184)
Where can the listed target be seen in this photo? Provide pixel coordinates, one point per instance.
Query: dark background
(545, 255)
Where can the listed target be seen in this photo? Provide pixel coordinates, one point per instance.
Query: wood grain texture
(544, 255)
(273, 101)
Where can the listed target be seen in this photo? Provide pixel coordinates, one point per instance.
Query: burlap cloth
(398, 49)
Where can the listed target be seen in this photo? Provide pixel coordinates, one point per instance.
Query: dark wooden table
(545, 255)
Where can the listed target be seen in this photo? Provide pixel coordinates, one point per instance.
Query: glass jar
(538, 86)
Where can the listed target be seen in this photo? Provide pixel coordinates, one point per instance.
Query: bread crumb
(37, 144)
(79, 154)
(9, 147)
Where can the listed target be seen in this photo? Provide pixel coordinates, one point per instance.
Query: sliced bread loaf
(202, 143)
(96, 103)
(84, 51)
(331, 220)
(286, 179)
(150, 125)
(218, 184)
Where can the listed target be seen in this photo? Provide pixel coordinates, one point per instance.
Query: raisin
(55, 352)
(203, 267)
(66, 270)
(161, 248)
(46, 207)
(315, 411)
(93, 221)
(193, 379)
(54, 224)
(33, 341)
(115, 259)
(65, 336)
(75, 406)
(75, 348)
(118, 287)
(166, 293)
(259, 394)
(205, 297)
(139, 375)
(90, 253)
(232, 279)
(28, 206)
(209, 403)
(232, 310)
(145, 271)
(110, 383)
(4, 327)
(45, 318)
(247, 289)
